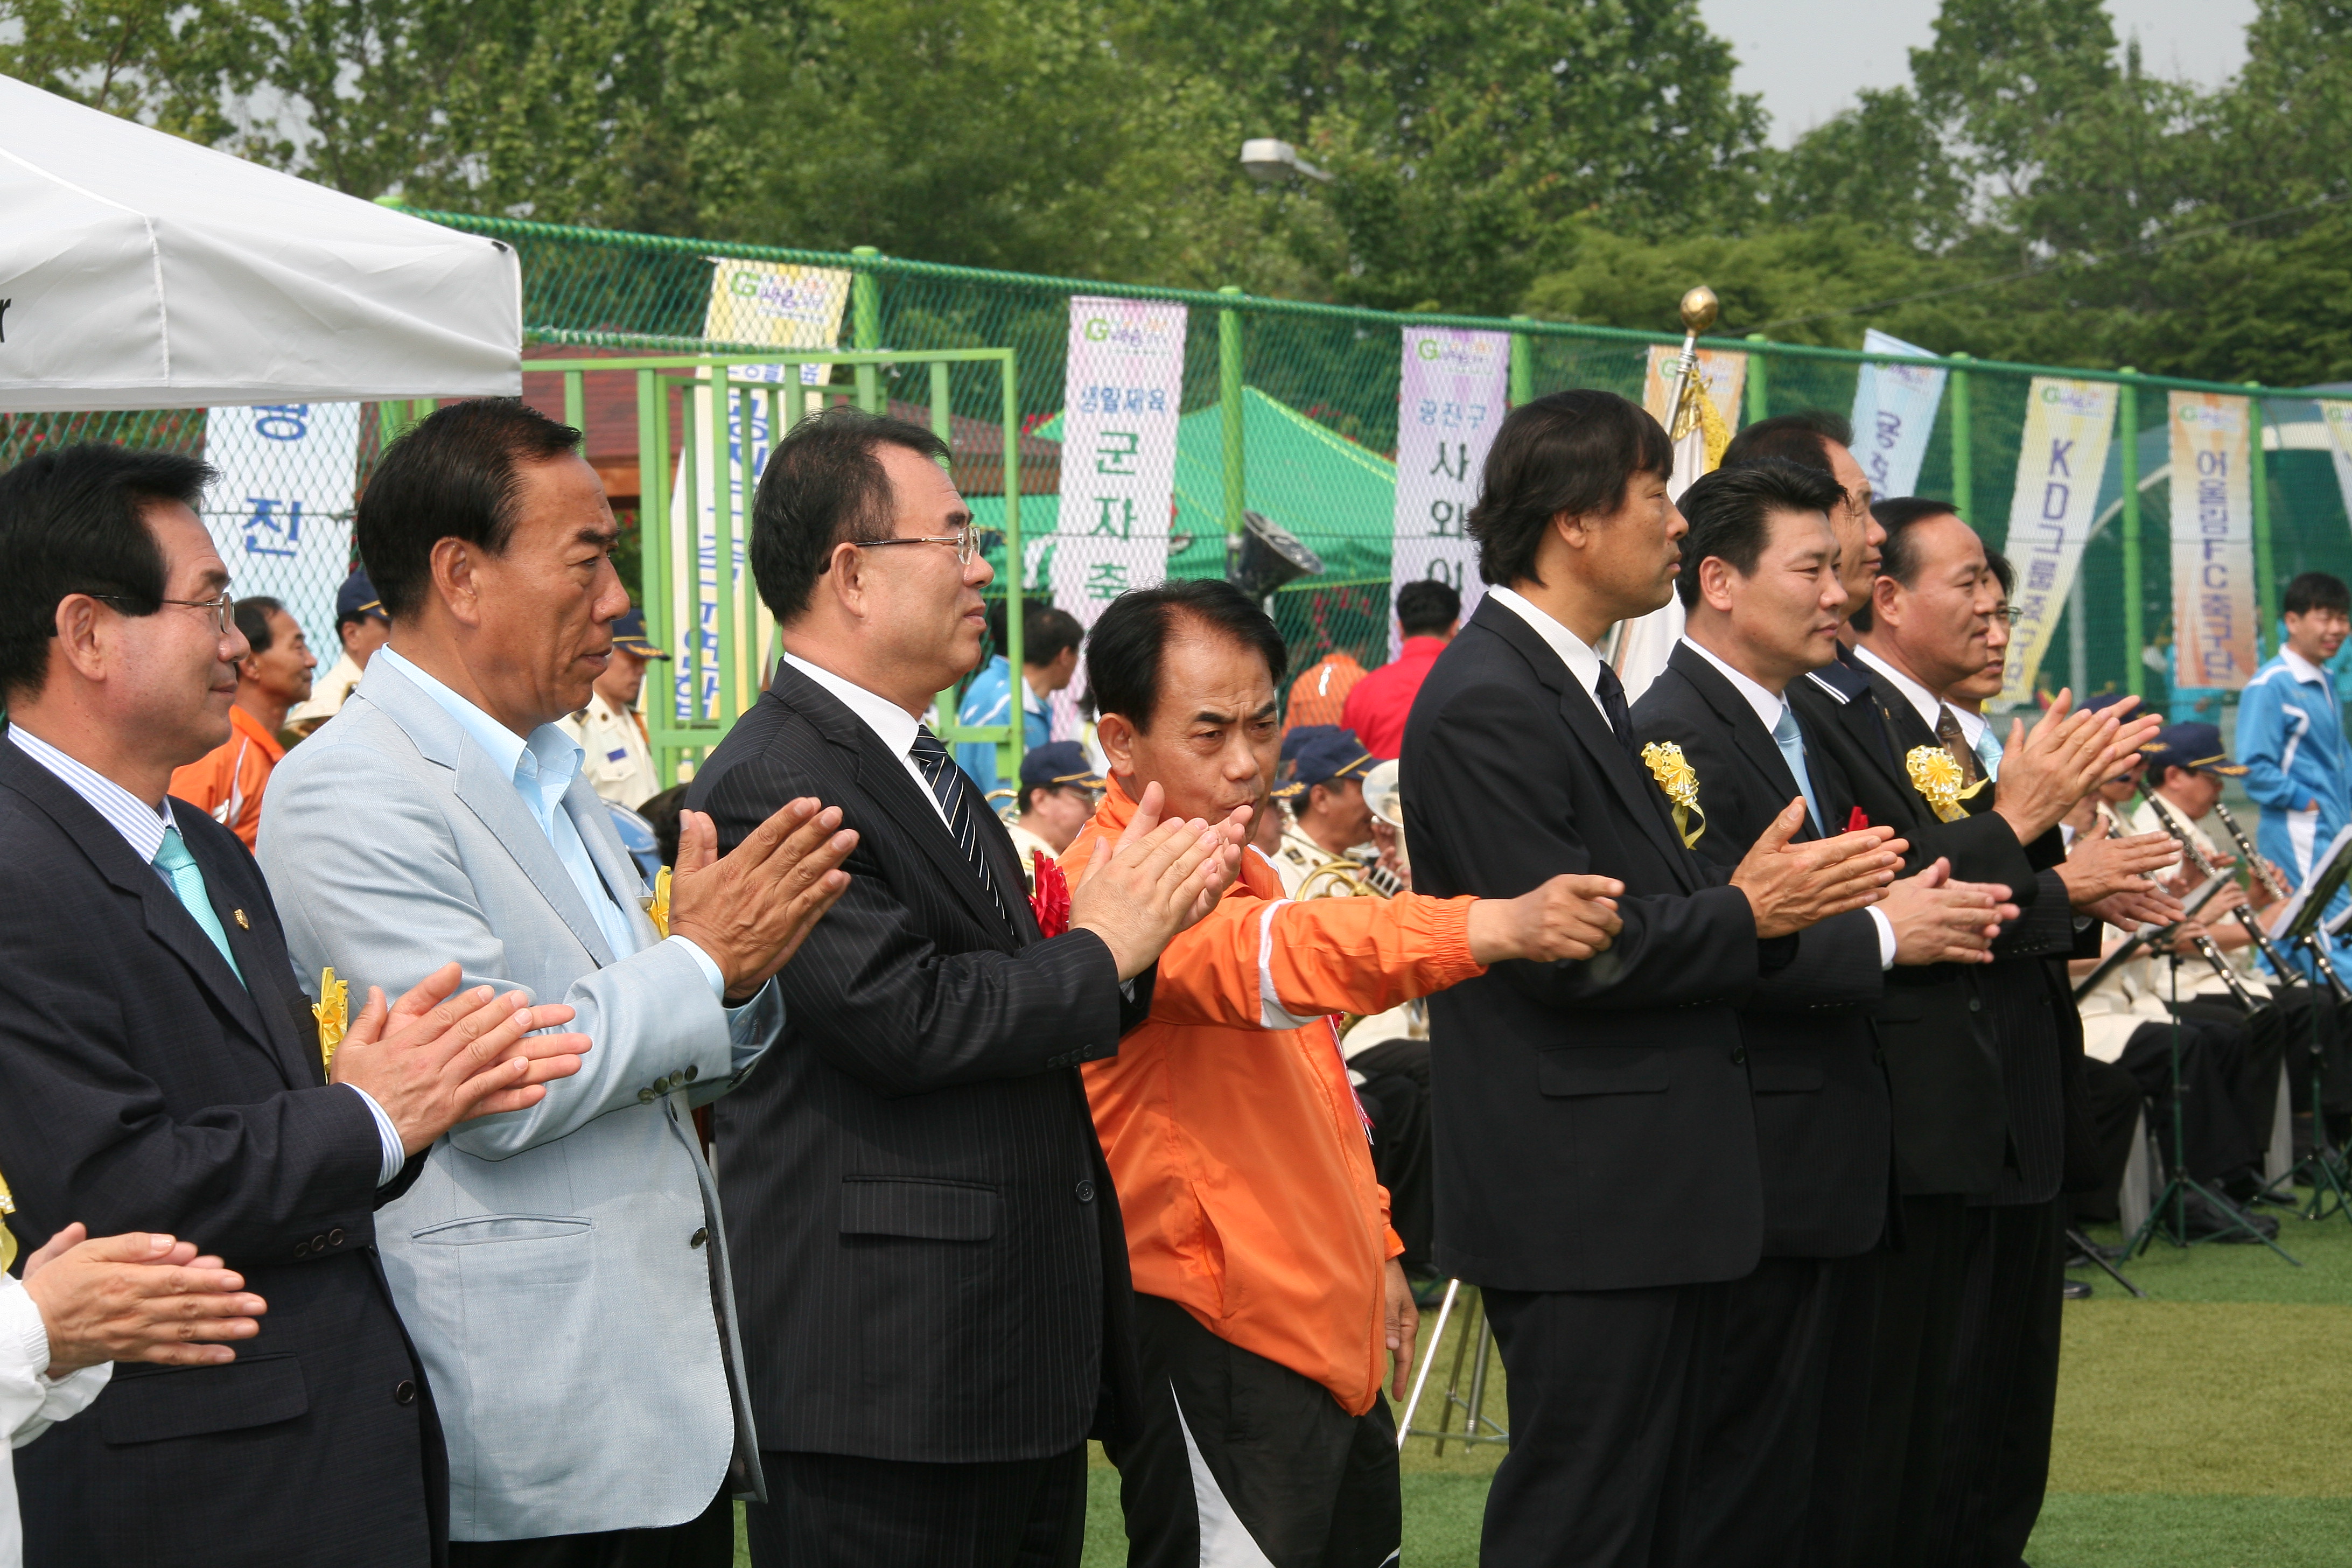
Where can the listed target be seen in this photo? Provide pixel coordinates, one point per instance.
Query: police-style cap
(356, 599)
(1300, 736)
(629, 632)
(2193, 746)
(1057, 764)
(1329, 757)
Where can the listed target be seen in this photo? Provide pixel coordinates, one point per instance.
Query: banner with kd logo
(2214, 620)
(1122, 396)
(1449, 401)
(280, 514)
(1894, 415)
(2061, 459)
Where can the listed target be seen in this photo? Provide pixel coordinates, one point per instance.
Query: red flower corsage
(1051, 901)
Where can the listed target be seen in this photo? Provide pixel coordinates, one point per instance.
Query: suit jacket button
(301, 1249)
(335, 1236)
(646, 1097)
(1085, 1192)
(1975, 1006)
(405, 1394)
(692, 1072)
(1739, 1056)
(701, 1234)
(318, 1243)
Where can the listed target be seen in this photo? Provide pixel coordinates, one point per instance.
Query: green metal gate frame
(743, 630)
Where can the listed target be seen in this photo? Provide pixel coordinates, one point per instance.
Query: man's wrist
(394, 1151)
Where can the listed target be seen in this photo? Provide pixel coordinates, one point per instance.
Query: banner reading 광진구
(2060, 458)
(280, 514)
(1122, 393)
(2214, 620)
(1893, 414)
(771, 305)
(1449, 400)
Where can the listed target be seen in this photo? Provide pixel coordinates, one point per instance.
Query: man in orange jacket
(1267, 1290)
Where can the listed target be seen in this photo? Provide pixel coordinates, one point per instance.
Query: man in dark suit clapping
(164, 1072)
(1596, 1153)
(928, 1257)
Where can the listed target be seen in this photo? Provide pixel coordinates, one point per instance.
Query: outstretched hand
(136, 1297)
(1793, 886)
(439, 1057)
(1156, 881)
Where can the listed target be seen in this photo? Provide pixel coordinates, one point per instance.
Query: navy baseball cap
(1300, 737)
(356, 599)
(2195, 747)
(1329, 757)
(629, 632)
(1056, 765)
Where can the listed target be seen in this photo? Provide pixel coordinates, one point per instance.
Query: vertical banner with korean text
(1122, 393)
(1449, 399)
(2061, 459)
(1894, 415)
(2214, 620)
(2338, 418)
(1722, 372)
(280, 514)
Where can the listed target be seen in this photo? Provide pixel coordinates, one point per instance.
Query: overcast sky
(1808, 57)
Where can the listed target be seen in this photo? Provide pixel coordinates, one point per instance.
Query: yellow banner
(2214, 620)
(1723, 372)
(2061, 459)
(775, 304)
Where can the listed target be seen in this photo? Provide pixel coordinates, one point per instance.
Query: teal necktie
(1792, 741)
(188, 880)
(1988, 752)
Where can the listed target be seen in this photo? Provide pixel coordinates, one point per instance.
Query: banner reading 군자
(2061, 459)
(1893, 414)
(281, 513)
(1449, 399)
(1122, 396)
(2214, 620)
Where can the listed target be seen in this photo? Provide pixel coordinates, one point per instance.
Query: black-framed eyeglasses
(964, 542)
(224, 609)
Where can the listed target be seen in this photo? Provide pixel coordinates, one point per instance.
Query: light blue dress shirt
(541, 769)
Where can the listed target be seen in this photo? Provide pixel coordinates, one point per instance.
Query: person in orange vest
(226, 781)
(1269, 1298)
(1320, 693)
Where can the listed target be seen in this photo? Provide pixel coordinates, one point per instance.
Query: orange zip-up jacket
(228, 780)
(1244, 1172)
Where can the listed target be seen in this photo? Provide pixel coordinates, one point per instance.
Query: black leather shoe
(2076, 1290)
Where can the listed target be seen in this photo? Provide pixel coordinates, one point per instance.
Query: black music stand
(2304, 922)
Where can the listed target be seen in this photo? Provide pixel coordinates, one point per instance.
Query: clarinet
(2257, 866)
(2205, 948)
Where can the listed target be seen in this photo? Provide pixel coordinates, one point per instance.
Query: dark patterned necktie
(954, 793)
(1947, 731)
(1611, 693)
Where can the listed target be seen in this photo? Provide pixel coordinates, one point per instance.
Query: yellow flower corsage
(1937, 777)
(7, 1240)
(333, 1011)
(1680, 781)
(657, 903)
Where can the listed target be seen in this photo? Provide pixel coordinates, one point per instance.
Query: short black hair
(1899, 557)
(1730, 511)
(1124, 655)
(72, 521)
(661, 812)
(1801, 438)
(1048, 632)
(2316, 591)
(456, 474)
(253, 620)
(1426, 607)
(2005, 574)
(1564, 452)
(823, 486)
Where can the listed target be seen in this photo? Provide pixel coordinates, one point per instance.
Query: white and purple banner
(1449, 399)
(280, 514)
(1893, 414)
(2214, 619)
(1122, 396)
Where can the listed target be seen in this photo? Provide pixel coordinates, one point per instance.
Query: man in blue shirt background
(1049, 658)
(2291, 731)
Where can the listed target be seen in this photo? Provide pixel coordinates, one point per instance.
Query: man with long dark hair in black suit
(1596, 1151)
(928, 1257)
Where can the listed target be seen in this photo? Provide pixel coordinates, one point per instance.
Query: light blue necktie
(188, 880)
(1792, 741)
(1989, 750)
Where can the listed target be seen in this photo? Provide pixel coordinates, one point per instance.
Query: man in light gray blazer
(562, 1270)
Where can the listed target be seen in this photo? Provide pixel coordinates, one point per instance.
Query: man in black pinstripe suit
(931, 1269)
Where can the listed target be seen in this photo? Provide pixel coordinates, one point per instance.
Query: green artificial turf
(2199, 1428)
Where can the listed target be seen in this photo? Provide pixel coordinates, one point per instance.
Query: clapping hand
(136, 1297)
(439, 1057)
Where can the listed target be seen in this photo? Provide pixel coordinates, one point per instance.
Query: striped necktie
(954, 793)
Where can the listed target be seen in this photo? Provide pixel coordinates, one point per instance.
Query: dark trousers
(837, 1511)
(1761, 1441)
(1291, 1478)
(1608, 1394)
(2116, 1102)
(1841, 1445)
(2213, 1072)
(707, 1542)
(2004, 1388)
(1395, 1093)
(1888, 1516)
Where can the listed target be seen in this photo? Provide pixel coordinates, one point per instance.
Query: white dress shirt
(1769, 705)
(142, 827)
(1925, 703)
(30, 1402)
(1574, 652)
(892, 725)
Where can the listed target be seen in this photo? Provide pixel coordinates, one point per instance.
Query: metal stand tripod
(2322, 1170)
(2175, 1196)
(1474, 1408)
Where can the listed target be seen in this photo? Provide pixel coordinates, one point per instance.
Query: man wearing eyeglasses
(929, 1260)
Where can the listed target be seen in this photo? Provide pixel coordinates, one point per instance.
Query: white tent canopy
(138, 270)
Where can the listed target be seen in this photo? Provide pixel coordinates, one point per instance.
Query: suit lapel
(1749, 740)
(620, 875)
(269, 976)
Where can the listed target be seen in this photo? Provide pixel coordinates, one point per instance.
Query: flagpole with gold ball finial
(1700, 308)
